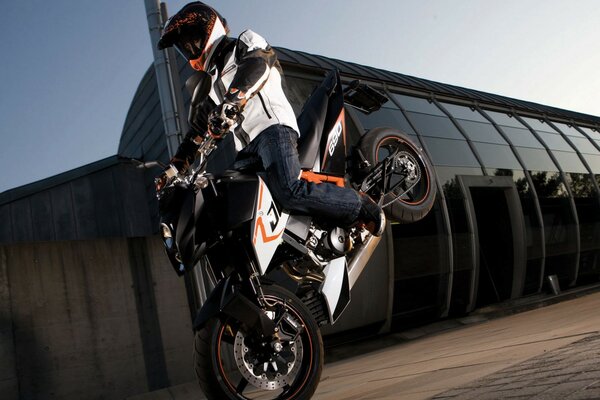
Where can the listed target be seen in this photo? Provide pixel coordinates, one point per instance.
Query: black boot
(371, 215)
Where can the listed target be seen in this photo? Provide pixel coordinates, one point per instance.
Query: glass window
(521, 137)
(569, 162)
(504, 119)
(581, 185)
(538, 124)
(447, 179)
(430, 125)
(559, 225)
(496, 156)
(554, 141)
(588, 213)
(536, 159)
(519, 179)
(593, 161)
(463, 112)
(450, 152)
(481, 132)
(548, 184)
(593, 133)
(417, 104)
(386, 117)
(584, 145)
(568, 130)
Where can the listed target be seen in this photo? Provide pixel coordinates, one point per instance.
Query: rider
(247, 98)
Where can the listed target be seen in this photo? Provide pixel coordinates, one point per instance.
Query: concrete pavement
(571, 372)
(546, 353)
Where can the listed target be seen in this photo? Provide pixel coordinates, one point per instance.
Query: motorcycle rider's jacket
(245, 72)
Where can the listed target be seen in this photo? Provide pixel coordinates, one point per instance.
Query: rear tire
(379, 143)
(228, 358)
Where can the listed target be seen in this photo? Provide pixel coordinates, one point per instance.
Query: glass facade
(585, 196)
(559, 224)
(549, 164)
(593, 134)
(421, 252)
(452, 156)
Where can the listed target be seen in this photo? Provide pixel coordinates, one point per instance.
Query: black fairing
(236, 203)
(316, 120)
(188, 237)
(224, 205)
(180, 208)
(226, 299)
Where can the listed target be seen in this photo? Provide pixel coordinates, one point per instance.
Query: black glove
(222, 118)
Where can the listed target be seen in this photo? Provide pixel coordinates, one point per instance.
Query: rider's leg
(276, 147)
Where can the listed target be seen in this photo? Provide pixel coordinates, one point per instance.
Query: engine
(315, 247)
(329, 244)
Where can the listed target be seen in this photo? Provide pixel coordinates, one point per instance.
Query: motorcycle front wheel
(234, 362)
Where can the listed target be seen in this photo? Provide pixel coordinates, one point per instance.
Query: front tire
(419, 188)
(232, 362)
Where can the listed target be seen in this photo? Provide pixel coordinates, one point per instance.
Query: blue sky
(69, 69)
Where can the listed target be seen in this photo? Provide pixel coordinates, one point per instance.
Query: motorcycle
(271, 278)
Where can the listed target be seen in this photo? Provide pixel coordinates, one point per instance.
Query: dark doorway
(496, 245)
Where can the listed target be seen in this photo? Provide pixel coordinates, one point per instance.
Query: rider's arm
(254, 58)
(198, 120)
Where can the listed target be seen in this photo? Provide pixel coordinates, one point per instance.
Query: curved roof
(425, 86)
(143, 131)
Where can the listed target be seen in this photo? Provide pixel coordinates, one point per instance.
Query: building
(90, 305)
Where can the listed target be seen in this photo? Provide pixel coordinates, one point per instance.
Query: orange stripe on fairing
(315, 177)
(258, 206)
(260, 224)
(263, 231)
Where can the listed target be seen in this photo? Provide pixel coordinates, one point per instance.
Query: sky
(69, 69)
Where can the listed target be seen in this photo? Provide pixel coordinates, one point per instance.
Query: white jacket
(251, 74)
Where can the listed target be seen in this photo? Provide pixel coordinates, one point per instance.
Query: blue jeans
(274, 149)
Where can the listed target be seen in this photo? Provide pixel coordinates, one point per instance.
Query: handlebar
(147, 164)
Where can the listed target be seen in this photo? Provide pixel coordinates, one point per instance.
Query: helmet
(195, 31)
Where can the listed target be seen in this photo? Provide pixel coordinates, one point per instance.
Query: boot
(371, 215)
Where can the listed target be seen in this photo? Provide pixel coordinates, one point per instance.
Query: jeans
(274, 149)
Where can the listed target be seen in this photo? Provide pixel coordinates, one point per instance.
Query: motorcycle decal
(267, 228)
(336, 288)
(333, 138)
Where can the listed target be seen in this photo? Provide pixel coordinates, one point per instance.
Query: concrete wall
(103, 318)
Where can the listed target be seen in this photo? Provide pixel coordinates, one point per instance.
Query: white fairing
(335, 288)
(267, 227)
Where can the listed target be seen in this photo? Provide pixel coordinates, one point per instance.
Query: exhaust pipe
(360, 260)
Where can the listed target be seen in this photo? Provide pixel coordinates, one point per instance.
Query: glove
(222, 118)
(165, 178)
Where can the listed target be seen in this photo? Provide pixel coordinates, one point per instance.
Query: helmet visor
(191, 45)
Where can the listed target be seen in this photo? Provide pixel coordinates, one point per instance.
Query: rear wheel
(234, 362)
(412, 182)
